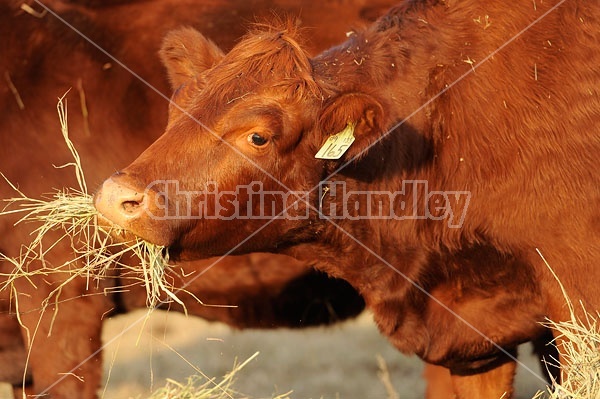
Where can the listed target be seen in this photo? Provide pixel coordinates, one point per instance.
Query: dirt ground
(329, 363)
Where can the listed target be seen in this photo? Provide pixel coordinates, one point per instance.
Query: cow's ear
(185, 52)
(351, 117)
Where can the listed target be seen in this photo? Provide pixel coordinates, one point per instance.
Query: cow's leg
(12, 350)
(494, 383)
(438, 382)
(63, 339)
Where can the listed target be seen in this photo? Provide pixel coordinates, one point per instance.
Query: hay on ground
(579, 344)
(202, 387)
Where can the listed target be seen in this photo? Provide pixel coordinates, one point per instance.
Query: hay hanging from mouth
(71, 212)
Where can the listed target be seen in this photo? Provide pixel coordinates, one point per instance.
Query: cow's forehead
(265, 110)
(265, 70)
(262, 63)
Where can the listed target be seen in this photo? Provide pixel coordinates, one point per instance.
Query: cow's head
(243, 131)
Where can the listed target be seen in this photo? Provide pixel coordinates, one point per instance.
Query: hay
(29, 10)
(580, 351)
(95, 250)
(14, 91)
(579, 344)
(202, 387)
(384, 377)
(84, 109)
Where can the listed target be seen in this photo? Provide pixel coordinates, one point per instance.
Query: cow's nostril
(131, 206)
(119, 203)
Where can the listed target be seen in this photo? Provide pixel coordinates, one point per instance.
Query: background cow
(113, 115)
(508, 152)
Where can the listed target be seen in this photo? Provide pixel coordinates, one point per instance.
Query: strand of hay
(579, 342)
(384, 377)
(14, 91)
(29, 10)
(84, 109)
(95, 251)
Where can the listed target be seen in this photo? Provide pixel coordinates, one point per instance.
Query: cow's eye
(257, 140)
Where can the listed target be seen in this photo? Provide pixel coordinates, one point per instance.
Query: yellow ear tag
(338, 144)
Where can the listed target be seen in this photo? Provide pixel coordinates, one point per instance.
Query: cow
(428, 160)
(113, 116)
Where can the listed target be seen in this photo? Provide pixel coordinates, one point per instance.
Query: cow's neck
(393, 61)
(376, 255)
(403, 64)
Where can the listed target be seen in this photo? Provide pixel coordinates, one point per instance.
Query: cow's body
(490, 164)
(42, 58)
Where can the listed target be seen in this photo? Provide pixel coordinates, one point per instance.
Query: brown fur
(43, 58)
(520, 133)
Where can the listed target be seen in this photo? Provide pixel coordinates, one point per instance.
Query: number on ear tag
(338, 144)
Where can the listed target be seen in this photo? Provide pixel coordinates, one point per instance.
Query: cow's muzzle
(132, 209)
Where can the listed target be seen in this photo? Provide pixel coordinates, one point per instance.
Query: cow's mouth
(126, 234)
(116, 232)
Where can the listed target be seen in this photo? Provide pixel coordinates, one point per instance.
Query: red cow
(42, 58)
(476, 140)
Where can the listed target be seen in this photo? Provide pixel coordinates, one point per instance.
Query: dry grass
(579, 344)
(384, 377)
(71, 213)
(14, 91)
(199, 386)
(202, 387)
